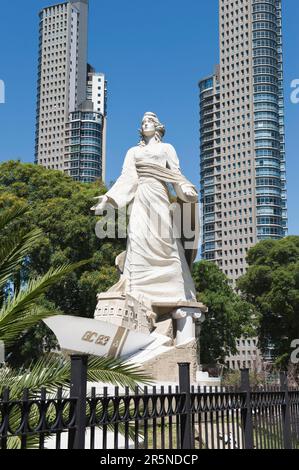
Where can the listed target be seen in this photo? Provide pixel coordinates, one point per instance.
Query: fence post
(247, 413)
(286, 416)
(78, 391)
(185, 419)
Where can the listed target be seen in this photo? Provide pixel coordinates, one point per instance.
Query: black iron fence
(180, 417)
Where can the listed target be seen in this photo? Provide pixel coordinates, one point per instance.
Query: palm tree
(20, 311)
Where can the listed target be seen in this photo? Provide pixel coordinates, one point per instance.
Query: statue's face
(148, 127)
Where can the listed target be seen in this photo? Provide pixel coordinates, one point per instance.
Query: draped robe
(155, 266)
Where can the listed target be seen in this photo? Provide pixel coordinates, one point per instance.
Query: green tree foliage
(229, 316)
(272, 285)
(60, 208)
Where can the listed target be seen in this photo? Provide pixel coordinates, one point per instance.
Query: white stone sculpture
(155, 267)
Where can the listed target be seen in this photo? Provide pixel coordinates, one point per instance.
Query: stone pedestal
(176, 327)
(164, 366)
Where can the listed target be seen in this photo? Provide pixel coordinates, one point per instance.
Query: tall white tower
(62, 70)
(97, 93)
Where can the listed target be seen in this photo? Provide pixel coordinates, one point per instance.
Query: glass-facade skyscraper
(243, 174)
(84, 143)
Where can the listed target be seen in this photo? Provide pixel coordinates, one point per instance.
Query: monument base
(162, 363)
(174, 325)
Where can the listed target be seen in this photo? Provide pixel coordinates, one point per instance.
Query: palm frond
(13, 251)
(20, 325)
(11, 214)
(116, 372)
(50, 372)
(54, 371)
(18, 307)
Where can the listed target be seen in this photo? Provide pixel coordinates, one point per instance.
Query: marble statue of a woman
(154, 268)
(155, 263)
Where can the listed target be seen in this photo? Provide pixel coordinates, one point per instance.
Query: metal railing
(173, 417)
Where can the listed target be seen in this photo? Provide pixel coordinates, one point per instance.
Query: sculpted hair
(160, 129)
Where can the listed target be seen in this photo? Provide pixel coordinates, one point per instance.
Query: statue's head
(151, 126)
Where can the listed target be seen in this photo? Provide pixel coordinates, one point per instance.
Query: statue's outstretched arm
(123, 191)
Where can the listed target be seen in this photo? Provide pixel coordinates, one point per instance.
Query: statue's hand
(189, 191)
(100, 207)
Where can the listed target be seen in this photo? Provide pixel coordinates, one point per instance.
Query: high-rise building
(63, 83)
(247, 356)
(243, 178)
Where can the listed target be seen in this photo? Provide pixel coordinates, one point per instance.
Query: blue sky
(153, 54)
